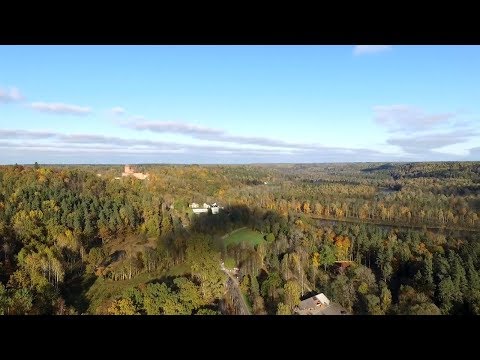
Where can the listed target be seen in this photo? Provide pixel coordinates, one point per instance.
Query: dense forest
(377, 238)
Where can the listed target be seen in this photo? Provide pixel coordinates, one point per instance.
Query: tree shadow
(233, 217)
(74, 292)
(114, 257)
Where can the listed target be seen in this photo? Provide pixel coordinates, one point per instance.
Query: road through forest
(237, 295)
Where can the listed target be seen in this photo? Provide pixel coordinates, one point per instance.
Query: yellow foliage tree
(122, 307)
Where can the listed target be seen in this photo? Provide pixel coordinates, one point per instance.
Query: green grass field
(244, 235)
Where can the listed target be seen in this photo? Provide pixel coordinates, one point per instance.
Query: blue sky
(238, 104)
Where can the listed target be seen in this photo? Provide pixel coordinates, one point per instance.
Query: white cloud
(10, 95)
(117, 110)
(32, 141)
(475, 152)
(413, 128)
(211, 134)
(424, 134)
(370, 49)
(173, 127)
(270, 145)
(421, 144)
(60, 108)
(408, 118)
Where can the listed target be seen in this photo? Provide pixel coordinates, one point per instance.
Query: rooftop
(320, 305)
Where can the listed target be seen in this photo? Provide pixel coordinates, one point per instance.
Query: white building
(319, 305)
(198, 210)
(323, 299)
(318, 301)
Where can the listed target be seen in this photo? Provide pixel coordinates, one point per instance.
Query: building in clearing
(319, 305)
(204, 209)
(130, 172)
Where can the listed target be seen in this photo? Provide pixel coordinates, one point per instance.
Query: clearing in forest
(244, 235)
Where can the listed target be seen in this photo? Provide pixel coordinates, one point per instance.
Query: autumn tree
(283, 309)
(122, 307)
(292, 292)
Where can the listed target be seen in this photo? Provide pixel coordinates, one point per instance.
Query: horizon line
(246, 163)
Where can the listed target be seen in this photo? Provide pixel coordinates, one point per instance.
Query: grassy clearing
(244, 235)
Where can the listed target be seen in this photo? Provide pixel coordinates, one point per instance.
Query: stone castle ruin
(129, 171)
